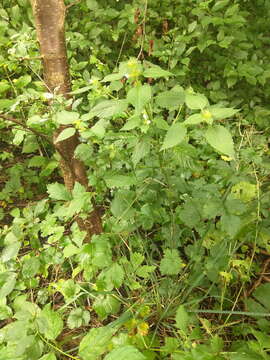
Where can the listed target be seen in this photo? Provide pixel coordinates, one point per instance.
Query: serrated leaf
(120, 180)
(10, 251)
(182, 318)
(175, 135)
(115, 275)
(170, 99)
(196, 101)
(66, 117)
(219, 5)
(140, 151)
(156, 72)
(99, 128)
(58, 191)
(105, 305)
(109, 108)
(7, 283)
(220, 139)
(95, 343)
(139, 96)
(171, 263)
(145, 270)
(127, 352)
(65, 134)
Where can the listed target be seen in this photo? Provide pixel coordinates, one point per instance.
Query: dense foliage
(171, 101)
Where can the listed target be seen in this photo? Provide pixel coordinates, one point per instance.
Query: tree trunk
(50, 21)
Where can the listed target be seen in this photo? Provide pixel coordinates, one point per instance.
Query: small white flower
(48, 95)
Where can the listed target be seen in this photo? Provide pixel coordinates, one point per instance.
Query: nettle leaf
(78, 317)
(112, 77)
(10, 251)
(7, 283)
(222, 113)
(99, 128)
(96, 343)
(65, 134)
(120, 180)
(109, 108)
(50, 323)
(196, 101)
(220, 139)
(175, 135)
(140, 151)
(170, 99)
(139, 96)
(156, 72)
(115, 275)
(58, 191)
(125, 352)
(171, 263)
(66, 117)
(262, 294)
(49, 356)
(182, 318)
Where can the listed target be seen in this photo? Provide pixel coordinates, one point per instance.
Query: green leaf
(65, 134)
(7, 283)
(10, 251)
(140, 151)
(109, 108)
(105, 305)
(50, 323)
(171, 263)
(49, 356)
(262, 294)
(58, 191)
(22, 81)
(30, 267)
(120, 180)
(78, 317)
(222, 113)
(219, 5)
(66, 117)
(112, 77)
(96, 343)
(220, 139)
(6, 103)
(175, 135)
(126, 352)
(99, 128)
(196, 101)
(170, 99)
(139, 96)
(194, 119)
(132, 123)
(182, 318)
(145, 270)
(156, 72)
(230, 224)
(115, 275)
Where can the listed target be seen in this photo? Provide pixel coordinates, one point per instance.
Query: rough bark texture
(50, 21)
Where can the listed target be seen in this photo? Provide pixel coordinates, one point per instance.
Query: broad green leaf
(50, 323)
(78, 317)
(10, 251)
(194, 119)
(244, 191)
(105, 305)
(109, 108)
(96, 343)
(139, 96)
(99, 128)
(220, 139)
(81, 90)
(171, 263)
(126, 352)
(156, 72)
(219, 5)
(66, 117)
(6, 103)
(112, 77)
(175, 135)
(230, 224)
(7, 283)
(65, 134)
(222, 113)
(140, 151)
(30, 267)
(170, 99)
(132, 123)
(22, 81)
(115, 275)
(196, 101)
(58, 191)
(182, 318)
(145, 270)
(120, 180)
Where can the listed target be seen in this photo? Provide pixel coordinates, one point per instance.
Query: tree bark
(50, 26)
